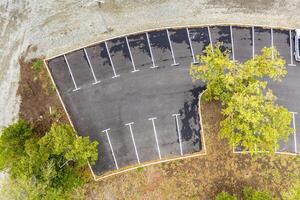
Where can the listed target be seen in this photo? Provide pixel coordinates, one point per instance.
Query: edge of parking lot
(168, 27)
(153, 162)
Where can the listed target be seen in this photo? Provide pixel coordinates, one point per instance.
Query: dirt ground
(200, 177)
(40, 104)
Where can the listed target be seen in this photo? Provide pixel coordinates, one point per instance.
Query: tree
(252, 118)
(45, 167)
(12, 144)
(224, 77)
(254, 121)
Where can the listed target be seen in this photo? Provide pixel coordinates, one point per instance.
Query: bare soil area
(40, 104)
(201, 177)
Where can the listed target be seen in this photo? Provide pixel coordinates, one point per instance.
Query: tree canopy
(252, 120)
(45, 167)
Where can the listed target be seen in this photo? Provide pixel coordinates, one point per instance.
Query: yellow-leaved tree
(252, 120)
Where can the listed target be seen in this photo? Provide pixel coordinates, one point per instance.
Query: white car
(297, 45)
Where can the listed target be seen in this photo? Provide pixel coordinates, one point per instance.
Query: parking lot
(134, 95)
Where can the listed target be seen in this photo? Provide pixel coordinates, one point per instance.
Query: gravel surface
(56, 26)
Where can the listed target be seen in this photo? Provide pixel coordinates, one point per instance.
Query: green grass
(37, 65)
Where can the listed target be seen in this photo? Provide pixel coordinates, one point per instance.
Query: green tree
(225, 196)
(252, 118)
(45, 167)
(12, 145)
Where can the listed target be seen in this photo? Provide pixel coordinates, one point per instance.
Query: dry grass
(201, 177)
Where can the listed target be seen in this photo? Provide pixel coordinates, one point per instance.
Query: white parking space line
(91, 67)
(74, 82)
(272, 42)
(191, 46)
(291, 49)
(151, 53)
(253, 44)
(209, 35)
(112, 64)
(232, 45)
(133, 141)
(155, 135)
(173, 55)
(295, 132)
(178, 131)
(112, 151)
(131, 57)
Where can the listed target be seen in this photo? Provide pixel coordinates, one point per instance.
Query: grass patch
(37, 65)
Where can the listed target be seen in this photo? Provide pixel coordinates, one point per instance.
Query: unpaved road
(56, 26)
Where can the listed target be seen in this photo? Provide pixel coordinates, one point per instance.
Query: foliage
(251, 194)
(12, 145)
(37, 64)
(47, 167)
(224, 77)
(254, 121)
(293, 193)
(248, 194)
(225, 196)
(252, 118)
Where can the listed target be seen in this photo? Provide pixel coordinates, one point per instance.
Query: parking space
(135, 97)
(262, 38)
(160, 47)
(221, 34)
(181, 46)
(199, 39)
(281, 42)
(242, 41)
(62, 76)
(99, 59)
(120, 55)
(140, 51)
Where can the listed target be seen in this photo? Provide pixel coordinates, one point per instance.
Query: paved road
(134, 94)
